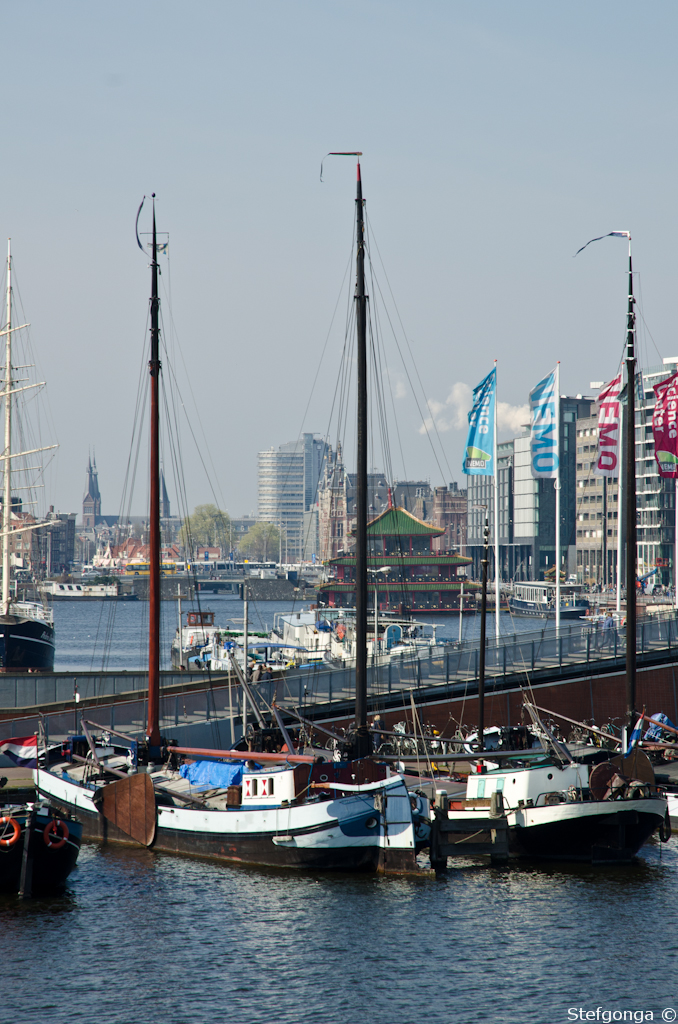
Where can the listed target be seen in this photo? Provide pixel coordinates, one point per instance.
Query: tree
(208, 527)
(261, 543)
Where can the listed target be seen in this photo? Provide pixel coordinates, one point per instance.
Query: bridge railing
(453, 667)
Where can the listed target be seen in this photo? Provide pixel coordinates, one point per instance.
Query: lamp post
(373, 572)
(481, 657)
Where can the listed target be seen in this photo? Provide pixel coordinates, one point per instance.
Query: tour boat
(538, 600)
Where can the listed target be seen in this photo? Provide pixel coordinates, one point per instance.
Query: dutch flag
(23, 750)
(635, 735)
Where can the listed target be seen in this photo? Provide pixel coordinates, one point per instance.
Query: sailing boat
(560, 808)
(271, 805)
(26, 627)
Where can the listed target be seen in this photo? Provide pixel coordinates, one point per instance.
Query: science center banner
(544, 433)
(479, 459)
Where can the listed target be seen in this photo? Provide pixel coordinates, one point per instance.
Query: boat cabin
(267, 788)
(200, 618)
(528, 786)
(544, 594)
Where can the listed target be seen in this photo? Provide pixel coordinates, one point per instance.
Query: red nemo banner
(608, 429)
(665, 426)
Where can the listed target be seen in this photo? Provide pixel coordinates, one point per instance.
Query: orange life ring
(16, 827)
(52, 829)
(341, 632)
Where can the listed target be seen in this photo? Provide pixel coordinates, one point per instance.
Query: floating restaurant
(408, 575)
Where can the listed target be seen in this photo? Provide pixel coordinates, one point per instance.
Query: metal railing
(451, 669)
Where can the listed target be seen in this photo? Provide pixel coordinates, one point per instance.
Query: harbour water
(114, 635)
(147, 938)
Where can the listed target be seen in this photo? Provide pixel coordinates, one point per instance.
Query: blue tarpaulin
(654, 732)
(212, 774)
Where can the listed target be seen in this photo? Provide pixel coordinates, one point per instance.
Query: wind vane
(610, 234)
(335, 154)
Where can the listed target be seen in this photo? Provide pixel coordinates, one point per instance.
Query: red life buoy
(16, 831)
(341, 632)
(53, 829)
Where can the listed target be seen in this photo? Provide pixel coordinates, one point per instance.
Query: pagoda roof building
(418, 579)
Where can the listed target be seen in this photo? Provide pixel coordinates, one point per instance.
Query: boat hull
(26, 645)
(51, 865)
(535, 612)
(328, 836)
(593, 832)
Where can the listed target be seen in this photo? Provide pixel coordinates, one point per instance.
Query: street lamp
(481, 658)
(384, 568)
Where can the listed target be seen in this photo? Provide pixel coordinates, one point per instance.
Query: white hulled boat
(268, 802)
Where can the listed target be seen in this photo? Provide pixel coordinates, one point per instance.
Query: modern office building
(288, 485)
(655, 496)
(527, 510)
(597, 509)
(600, 512)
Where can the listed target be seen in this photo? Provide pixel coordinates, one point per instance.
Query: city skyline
(486, 166)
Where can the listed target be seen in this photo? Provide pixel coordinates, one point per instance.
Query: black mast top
(630, 509)
(153, 727)
(362, 745)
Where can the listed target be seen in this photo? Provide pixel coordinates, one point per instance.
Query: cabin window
(270, 787)
(481, 788)
(253, 787)
(500, 785)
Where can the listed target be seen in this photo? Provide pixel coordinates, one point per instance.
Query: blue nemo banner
(479, 458)
(544, 434)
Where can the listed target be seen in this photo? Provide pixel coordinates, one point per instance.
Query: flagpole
(557, 486)
(620, 510)
(629, 489)
(497, 605)
(630, 501)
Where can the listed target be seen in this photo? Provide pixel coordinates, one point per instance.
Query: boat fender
(665, 828)
(52, 829)
(16, 831)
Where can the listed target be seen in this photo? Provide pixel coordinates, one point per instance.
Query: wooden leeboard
(635, 765)
(130, 805)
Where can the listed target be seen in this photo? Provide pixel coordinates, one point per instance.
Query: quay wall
(600, 698)
(277, 590)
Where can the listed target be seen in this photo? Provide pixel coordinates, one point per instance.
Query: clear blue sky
(498, 138)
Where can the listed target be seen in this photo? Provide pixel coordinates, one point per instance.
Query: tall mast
(362, 745)
(7, 490)
(495, 463)
(557, 487)
(630, 495)
(153, 730)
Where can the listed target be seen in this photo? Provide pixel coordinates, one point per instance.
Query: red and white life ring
(52, 829)
(16, 831)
